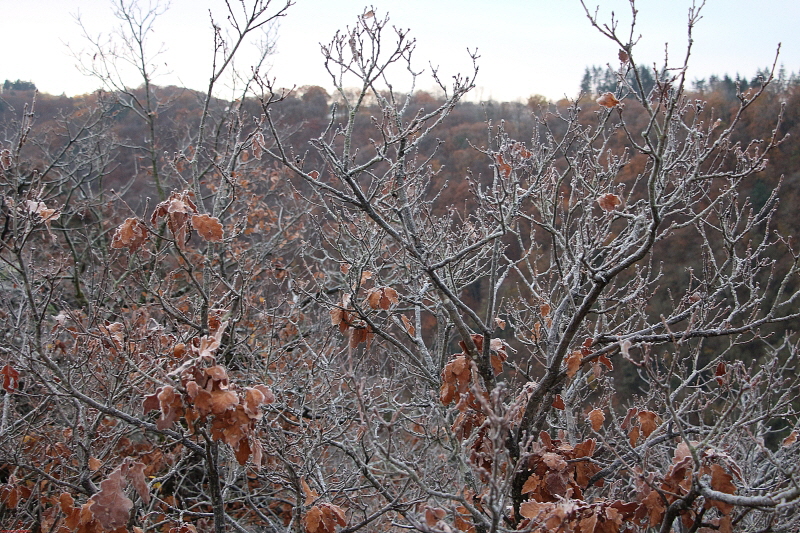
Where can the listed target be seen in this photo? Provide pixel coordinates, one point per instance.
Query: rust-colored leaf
(382, 298)
(791, 439)
(623, 56)
(573, 363)
(606, 361)
(130, 234)
(407, 323)
(723, 482)
(433, 515)
(608, 100)
(558, 402)
(609, 201)
(208, 227)
(10, 378)
(6, 159)
(554, 461)
(310, 494)
(596, 418)
(648, 421)
(633, 435)
(719, 373)
(39, 208)
(313, 520)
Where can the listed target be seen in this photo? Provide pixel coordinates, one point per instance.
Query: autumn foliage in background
(380, 311)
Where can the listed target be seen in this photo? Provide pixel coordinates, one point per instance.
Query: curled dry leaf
(648, 421)
(207, 227)
(310, 494)
(623, 56)
(596, 418)
(558, 403)
(503, 167)
(721, 481)
(408, 325)
(791, 439)
(323, 518)
(608, 100)
(382, 297)
(177, 210)
(130, 234)
(10, 378)
(433, 515)
(38, 208)
(110, 507)
(5, 159)
(573, 363)
(609, 201)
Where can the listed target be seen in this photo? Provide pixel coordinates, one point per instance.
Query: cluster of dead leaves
(181, 216)
(577, 516)
(639, 424)
(460, 373)
(346, 318)
(574, 360)
(207, 396)
(321, 517)
(109, 508)
(558, 470)
(678, 481)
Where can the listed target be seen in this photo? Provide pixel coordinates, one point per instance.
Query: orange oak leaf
(433, 515)
(573, 363)
(596, 418)
(648, 421)
(407, 324)
(608, 100)
(207, 227)
(723, 482)
(131, 234)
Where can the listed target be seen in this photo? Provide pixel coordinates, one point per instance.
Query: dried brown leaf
(608, 100)
(609, 201)
(596, 418)
(573, 363)
(10, 378)
(208, 227)
(110, 507)
(130, 234)
(558, 402)
(136, 476)
(648, 421)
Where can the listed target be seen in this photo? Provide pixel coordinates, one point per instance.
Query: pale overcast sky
(526, 46)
